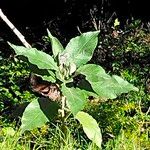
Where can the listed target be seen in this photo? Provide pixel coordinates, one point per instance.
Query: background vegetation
(123, 50)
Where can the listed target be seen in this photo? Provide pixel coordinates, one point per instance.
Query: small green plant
(62, 68)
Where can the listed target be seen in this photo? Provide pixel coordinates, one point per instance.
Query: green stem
(63, 106)
(63, 126)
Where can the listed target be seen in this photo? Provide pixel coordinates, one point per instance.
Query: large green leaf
(92, 71)
(103, 84)
(45, 74)
(90, 127)
(80, 49)
(76, 98)
(86, 87)
(36, 57)
(33, 117)
(56, 45)
(48, 77)
(49, 108)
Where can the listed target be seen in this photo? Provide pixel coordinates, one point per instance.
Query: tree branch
(14, 29)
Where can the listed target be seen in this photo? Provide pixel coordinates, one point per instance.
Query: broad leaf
(36, 57)
(85, 86)
(56, 45)
(80, 49)
(90, 127)
(49, 108)
(76, 98)
(91, 69)
(103, 84)
(72, 68)
(33, 117)
(45, 74)
(48, 77)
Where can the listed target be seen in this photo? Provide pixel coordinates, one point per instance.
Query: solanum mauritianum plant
(61, 68)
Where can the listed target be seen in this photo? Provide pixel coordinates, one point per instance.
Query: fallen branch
(15, 30)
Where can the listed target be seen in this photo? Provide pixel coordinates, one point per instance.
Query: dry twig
(15, 30)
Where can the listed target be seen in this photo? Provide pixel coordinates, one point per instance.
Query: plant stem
(63, 126)
(63, 106)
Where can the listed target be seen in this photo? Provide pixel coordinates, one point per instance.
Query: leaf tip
(9, 43)
(49, 33)
(135, 89)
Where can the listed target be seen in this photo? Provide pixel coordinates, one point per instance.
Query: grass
(129, 141)
(125, 140)
(13, 140)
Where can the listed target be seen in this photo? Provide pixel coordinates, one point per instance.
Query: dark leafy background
(63, 16)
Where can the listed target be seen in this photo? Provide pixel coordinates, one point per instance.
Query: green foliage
(76, 98)
(103, 84)
(56, 45)
(70, 63)
(90, 127)
(37, 113)
(13, 88)
(55, 141)
(80, 49)
(129, 141)
(124, 121)
(39, 58)
(130, 58)
(33, 117)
